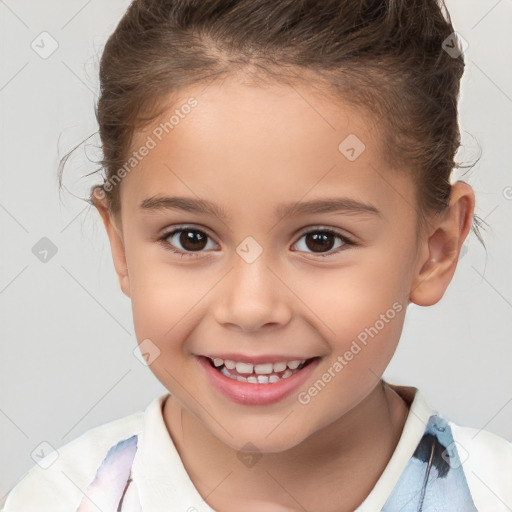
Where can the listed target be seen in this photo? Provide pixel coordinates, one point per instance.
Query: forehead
(247, 144)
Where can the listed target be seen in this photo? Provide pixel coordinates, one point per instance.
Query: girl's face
(254, 282)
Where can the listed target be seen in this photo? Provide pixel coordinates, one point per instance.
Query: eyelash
(163, 239)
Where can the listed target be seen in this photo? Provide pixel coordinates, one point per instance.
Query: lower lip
(256, 394)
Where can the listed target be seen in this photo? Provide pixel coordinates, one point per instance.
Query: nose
(252, 297)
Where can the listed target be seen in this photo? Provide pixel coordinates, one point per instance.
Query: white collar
(414, 428)
(162, 480)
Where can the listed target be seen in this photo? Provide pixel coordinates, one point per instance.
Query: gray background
(67, 339)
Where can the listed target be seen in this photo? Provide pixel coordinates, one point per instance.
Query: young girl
(277, 192)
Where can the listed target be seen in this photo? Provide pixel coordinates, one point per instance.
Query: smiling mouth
(266, 373)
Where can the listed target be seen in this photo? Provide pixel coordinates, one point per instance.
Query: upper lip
(259, 359)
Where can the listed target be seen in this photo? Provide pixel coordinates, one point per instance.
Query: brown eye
(186, 241)
(322, 242)
(192, 240)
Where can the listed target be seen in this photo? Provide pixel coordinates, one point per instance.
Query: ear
(116, 239)
(438, 253)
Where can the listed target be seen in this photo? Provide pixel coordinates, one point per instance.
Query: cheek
(347, 300)
(163, 312)
(168, 303)
(163, 317)
(160, 298)
(360, 312)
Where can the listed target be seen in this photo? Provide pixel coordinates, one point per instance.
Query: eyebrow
(327, 205)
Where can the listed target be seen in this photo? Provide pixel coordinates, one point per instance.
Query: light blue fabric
(433, 480)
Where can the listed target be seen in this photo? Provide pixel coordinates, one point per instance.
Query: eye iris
(195, 238)
(323, 241)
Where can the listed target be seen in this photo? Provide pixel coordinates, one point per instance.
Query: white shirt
(164, 485)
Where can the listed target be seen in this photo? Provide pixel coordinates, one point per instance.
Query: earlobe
(440, 250)
(115, 237)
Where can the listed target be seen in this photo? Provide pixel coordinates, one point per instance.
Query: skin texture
(248, 149)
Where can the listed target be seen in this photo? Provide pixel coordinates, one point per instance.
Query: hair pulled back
(386, 56)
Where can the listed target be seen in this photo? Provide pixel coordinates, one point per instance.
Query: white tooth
(294, 364)
(286, 374)
(263, 368)
(225, 372)
(273, 378)
(263, 379)
(230, 365)
(218, 362)
(279, 367)
(252, 379)
(241, 379)
(244, 367)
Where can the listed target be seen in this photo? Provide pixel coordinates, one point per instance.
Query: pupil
(196, 239)
(320, 241)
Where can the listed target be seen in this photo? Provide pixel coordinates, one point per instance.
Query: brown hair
(386, 56)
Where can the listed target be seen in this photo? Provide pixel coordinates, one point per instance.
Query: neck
(346, 458)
